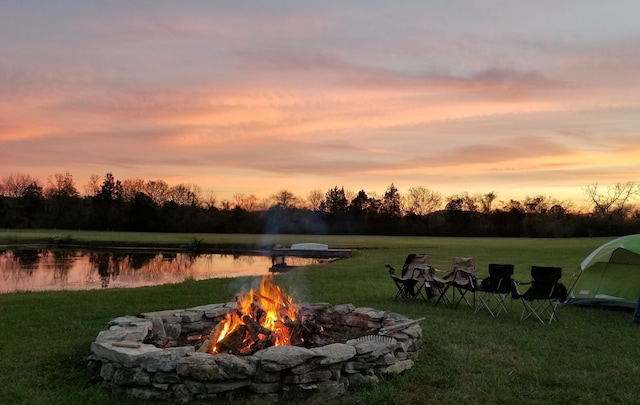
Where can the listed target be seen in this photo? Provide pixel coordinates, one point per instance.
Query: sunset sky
(520, 98)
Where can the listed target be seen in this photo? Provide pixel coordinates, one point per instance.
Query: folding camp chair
(493, 291)
(461, 278)
(412, 281)
(434, 286)
(546, 291)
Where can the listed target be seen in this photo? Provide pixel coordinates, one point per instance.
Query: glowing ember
(263, 318)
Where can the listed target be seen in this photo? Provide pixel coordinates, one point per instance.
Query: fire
(262, 318)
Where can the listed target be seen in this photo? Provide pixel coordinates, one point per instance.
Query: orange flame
(269, 307)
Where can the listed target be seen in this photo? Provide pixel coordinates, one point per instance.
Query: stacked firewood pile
(245, 333)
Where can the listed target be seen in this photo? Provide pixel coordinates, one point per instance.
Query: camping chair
(461, 278)
(492, 292)
(411, 283)
(546, 291)
(434, 286)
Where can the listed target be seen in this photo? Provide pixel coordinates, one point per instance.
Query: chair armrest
(504, 280)
(560, 290)
(515, 290)
(418, 273)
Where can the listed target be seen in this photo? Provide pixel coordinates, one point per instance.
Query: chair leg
(463, 296)
(443, 296)
(528, 311)
(420, 292)
(493, 302)
(501, 304)
(538, 309)
(484, 302)
(409, 290)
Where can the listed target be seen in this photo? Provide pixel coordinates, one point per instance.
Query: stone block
(265, 388)
(312, 376)
(169, 316)
(165, 360)
(127, 357)
(278, 358)
(359, 380)
(333, 353)
(397, 368)
(166, 378)
(191, 316)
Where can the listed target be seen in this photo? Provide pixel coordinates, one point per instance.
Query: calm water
(42, 269)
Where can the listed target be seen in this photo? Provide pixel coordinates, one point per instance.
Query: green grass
(589, 356)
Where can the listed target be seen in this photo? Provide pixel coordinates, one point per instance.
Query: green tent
(610, 275)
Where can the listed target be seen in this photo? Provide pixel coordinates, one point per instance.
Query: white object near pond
(309, 246)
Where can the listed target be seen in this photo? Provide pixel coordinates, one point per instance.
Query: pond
(78, 269)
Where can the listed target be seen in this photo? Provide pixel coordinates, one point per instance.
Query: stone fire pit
(369, 345)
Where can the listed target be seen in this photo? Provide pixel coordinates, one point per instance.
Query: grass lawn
(589, 356)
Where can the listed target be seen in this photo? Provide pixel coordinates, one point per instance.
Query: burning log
(297, 332)
(234, 342)
(257, 312)
(265, 298)
(255, 329)
(263, 318)
(205, 346)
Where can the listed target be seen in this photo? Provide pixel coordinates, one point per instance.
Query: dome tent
(610, 275)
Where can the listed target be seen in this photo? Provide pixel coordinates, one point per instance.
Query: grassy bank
(590, 356)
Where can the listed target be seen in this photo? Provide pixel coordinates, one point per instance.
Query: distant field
(589, 356)
(523, 252)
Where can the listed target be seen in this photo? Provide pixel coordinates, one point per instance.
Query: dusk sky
(520, 98)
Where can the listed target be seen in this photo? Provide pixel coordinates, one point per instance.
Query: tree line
(154, 205)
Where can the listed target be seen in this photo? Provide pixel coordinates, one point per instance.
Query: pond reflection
(64, 269)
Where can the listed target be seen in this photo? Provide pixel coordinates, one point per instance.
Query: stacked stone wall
(386, 344)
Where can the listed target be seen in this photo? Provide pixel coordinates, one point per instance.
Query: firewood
(214, 334)
(257, 312)
(265, 298)
(259, 345)
(399, 326)
(255, 329)
(205, 347)
(234, 341)
(285, 300)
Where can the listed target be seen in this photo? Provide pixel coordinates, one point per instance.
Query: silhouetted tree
(158, 190)
(284, 199)
(14, 185)
(31, 203)
(131, 187)
(185, 194)
(454, 204)
(64, 207)
(144, 214)
(421, 200)
(487, 200)
(314, 199)
(62, 185)
(246, 202)
(92, 188)
(335, 202)
(360, 203)
(111, 189)
(391, 203)
(615, 199)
